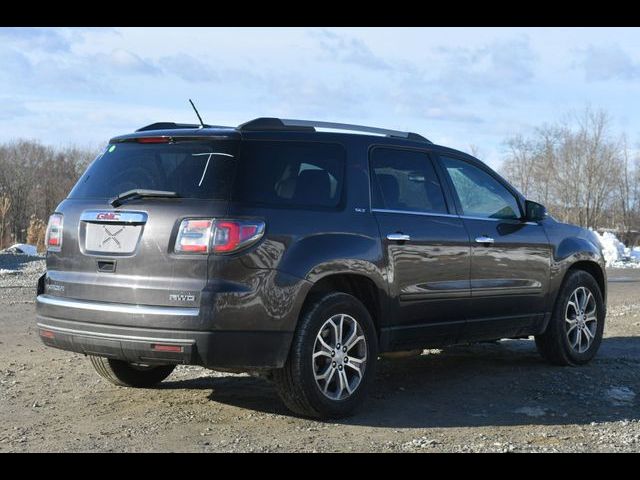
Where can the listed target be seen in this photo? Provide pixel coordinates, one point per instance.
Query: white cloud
(606, 62)
(498, 65)
(129, 62)
(348, 49)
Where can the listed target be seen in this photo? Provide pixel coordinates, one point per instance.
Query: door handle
(484, 239)
(398, 237)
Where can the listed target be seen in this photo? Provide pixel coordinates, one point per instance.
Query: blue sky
(456, 86)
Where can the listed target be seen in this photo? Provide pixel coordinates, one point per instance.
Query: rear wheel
(575, 330)
(332, 359)
(126, 374)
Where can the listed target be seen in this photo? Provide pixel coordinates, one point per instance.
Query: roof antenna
(196, 110)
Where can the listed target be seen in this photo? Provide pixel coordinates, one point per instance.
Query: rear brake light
(217, 236)
(154, 140)
(53, 237)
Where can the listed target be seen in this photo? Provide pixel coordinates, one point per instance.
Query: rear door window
(405, 180)
(308, 174)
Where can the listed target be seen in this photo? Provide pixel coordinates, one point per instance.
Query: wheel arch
(361, 286)
(577, 253)
(592, 268)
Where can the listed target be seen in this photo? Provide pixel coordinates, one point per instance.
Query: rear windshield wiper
(141, 193)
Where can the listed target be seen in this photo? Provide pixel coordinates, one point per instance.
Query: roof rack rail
(268, 123)
(169, 126)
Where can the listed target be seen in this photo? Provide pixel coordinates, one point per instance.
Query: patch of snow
(24, 248)
(612, 248)
(532, 411)
(616, 254)
(620, 395)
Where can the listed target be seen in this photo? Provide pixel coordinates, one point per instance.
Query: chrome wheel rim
(339, 357)
(581, 319)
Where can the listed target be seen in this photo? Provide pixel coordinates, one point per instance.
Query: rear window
(290, 173)
(192, 169)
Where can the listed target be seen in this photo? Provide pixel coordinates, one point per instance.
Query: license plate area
(111, 238)
(111, 233)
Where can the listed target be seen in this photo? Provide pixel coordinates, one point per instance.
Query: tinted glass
(480, 194)
(290, 173)
(192, 169)
(405, 180)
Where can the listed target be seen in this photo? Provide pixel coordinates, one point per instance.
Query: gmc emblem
(108, 216)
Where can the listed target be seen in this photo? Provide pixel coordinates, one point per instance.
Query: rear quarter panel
(309, 244)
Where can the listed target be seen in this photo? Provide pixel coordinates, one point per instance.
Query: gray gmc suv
(300, 255)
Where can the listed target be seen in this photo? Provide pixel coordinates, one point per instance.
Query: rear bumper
(60, 325)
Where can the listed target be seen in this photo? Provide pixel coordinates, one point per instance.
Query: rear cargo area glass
(191, 169)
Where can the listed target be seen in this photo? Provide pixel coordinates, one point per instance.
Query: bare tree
(36, 178)
(5, 204)
(577, 168)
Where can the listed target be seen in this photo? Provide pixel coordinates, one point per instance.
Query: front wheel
(126, 374)
(332, 359)
(576, 326)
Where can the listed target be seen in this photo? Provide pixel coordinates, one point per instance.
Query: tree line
(581, 171)
(34, 178)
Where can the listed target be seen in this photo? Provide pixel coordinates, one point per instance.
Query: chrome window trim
(471, 217)
(467, 217)
(117, 307)
(412, 212)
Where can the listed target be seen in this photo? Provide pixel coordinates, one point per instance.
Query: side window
(480, 194)
(290, 173)
(405, 180)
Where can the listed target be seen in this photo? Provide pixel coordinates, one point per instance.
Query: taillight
(231, 235)
(217, 236)
(194, 236)
(53, 237)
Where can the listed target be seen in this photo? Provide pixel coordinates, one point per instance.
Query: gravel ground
(489, 397)
(18, 276)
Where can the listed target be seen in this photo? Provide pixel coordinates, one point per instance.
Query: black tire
(125, 374)
(554, 344)
(296, 383)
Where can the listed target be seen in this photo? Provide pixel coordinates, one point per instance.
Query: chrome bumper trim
(117, 307)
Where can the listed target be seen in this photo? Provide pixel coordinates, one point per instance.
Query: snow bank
(616, 254)
(23, 248)
(612, 248)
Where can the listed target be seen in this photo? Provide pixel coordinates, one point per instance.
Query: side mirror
(535, 212)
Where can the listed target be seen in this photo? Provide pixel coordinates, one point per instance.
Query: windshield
(191, 169)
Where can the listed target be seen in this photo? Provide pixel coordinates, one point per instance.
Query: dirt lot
(486, 397)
